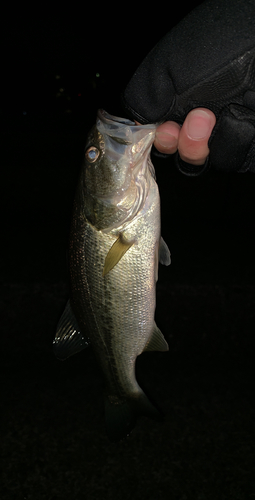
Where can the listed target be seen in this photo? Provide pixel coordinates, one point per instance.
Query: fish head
(116, 162)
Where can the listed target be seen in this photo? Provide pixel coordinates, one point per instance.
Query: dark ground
(53, 438)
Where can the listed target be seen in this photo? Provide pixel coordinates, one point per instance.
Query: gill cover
(117, 169)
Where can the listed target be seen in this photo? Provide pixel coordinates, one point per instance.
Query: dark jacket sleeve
(207, 60)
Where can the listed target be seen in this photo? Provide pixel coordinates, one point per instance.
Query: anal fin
(157, 341)
(68, 338)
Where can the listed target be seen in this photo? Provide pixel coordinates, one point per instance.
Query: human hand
(191, 140)
(205, 62)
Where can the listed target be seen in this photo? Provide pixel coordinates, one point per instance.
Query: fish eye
(92, 154)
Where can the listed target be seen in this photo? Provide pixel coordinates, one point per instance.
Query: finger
(194, 136)
(166, 139)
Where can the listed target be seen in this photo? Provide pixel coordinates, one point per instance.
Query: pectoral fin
(164, 253)
(157, 342)
(68, 338)
(116, 252)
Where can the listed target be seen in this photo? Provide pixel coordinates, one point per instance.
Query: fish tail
(121, 415)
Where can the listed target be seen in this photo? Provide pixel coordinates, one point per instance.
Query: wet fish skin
(115, 247)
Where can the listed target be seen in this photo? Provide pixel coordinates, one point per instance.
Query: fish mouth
(126, 144)
(124, 140)
(122, 129)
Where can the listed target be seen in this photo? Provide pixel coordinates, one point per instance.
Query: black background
(54, 442)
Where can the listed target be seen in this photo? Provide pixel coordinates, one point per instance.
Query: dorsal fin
(68, 338)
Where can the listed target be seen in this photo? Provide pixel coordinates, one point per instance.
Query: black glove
(207, 60)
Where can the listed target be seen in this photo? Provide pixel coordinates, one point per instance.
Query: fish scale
(115, 247)
(116, 316)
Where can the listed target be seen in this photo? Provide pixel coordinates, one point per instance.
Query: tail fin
(121, 414)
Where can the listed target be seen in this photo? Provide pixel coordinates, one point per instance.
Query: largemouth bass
(115, 247)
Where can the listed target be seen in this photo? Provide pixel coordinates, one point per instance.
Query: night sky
(40, 46)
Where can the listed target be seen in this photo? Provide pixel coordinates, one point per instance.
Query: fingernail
(198, 124)
(166, 140)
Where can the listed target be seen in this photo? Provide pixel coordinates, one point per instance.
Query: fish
(114, 251)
